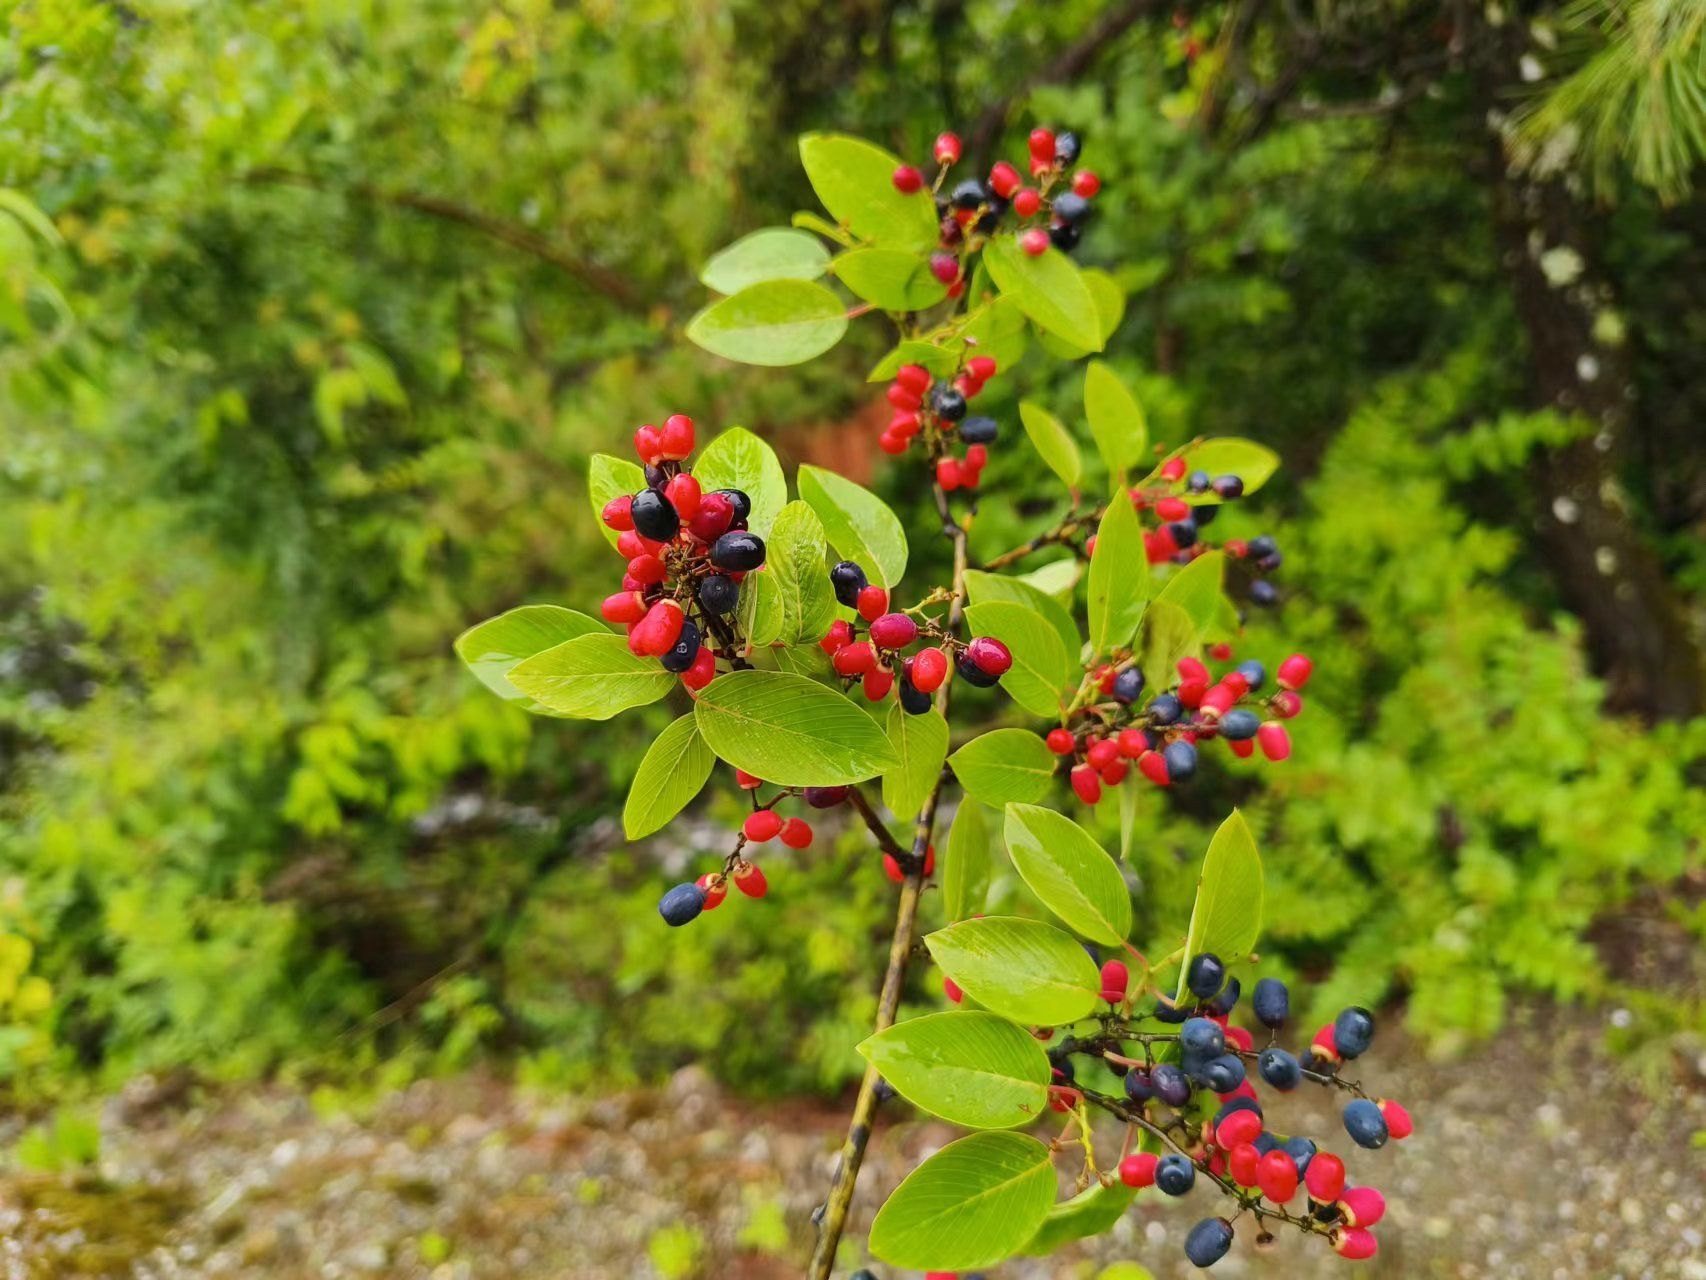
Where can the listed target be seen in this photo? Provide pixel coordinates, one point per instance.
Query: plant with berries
(800, 660)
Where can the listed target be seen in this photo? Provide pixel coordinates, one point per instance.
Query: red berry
(617, 514)
(747, 781)
(1193, 669)
(1034, 242)
(1363, 1206)
(1286, 704)
(1102, 753)
(890, 443)
(840, 633)
(981, 367)
(1059, 740)
(716, 512)
(1243, 748)
(648, 444)
(1240, 1126)
(1240, 1038)
(945, 267)
(750, 880)
(715, 887)
(1062, 1099)
(684, 495)
(951, 989)
(677, 436)
(872, 602)
(703, 670)
(914, 377)
(631, 544)
(1172, 508)
(623, 607)
(854, 659)
(893, 631)
(903, 399)
(948, 474)
(1221, 652)
(1138, 1169)
(990, 656)
(976, 456)
(928, 670)
(1274, 741)
(1355, 1244)
(904, 424)
(1192, 692)
(1277, 1176)
(1398, 1122)
(1042, 145)
(1173, 469)
(647, 570)
(1153, 765)
(655, 634)
(907, 179)
(1115, 977)
(1004, 180)
(797, 833)
(1114, 772)
(1132, 743)
(1293, 673)
(1086, 784)
(1325, 1177)
(1218, 701)
(1243, 1161)
(1085, 183)
(1027, 202)
(1236, 681)
(947, 149)
(761, 825)
(1159, 545)
(878, 683)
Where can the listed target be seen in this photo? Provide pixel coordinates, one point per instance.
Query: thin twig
(878, 828)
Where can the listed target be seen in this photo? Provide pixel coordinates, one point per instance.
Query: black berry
(1263, 592)
(913, 700)
(739, 501)
(1137, 1085)
(654, 517)
(1271, 1002)
(718, 594)
(1353, 1031)
(1301, 1151)
(1128, 687)
(1181, 758)
(1164, 708)
(1224, 1074)
(739, 551)
(968, 194)
(684, 650)
(1170, 1084)
(849, 580)
(1184, 533)
(948, 403)
(1228, 486)
(1064, 236)
(1067, 148)
(1227, 1000)
(975, 675)
(1365, 1124)
(1207, 975)
(1175, 1175)
(1262, 545)
(1279, 1069)
(825, 797)
(979, 430)
(1200, 1035)
(1208, 1242)
(1071, 207)
(1197, 482)
(1238, 724)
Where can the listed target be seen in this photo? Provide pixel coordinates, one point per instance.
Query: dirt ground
(1530, 1160)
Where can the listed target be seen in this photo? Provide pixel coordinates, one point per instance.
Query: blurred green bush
(300, 371)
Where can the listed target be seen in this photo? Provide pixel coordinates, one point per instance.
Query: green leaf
(1048, 288)
(1252, 463)
(1089, 1213)
(1168, 635)
(1069, 872)
(790, 730)
(970, 1068)
(855, 181)
(892, 279)
(1128, 815)
(492, 647)
(985, 587)
(1109, 297)
(973, 1204)
(1116, 421)
(795, 564)
(921, 744)
(774, 253)
(808, 221)
(1004, 765)
(775, 322)
(607, 478)
(939, 360)
(1035, 681)
(737, 459)
(1196, 589)
(1119, 578)
(1052, 441)
(591, 677)
(965, 870)
(1025, 970)
(860, 525)
(760, 609)
(1227, 915)
(1057, 579)
(997, 330)
(674, 768)
(803, 660)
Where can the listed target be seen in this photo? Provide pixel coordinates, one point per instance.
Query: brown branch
(598, 278)
(878, 828)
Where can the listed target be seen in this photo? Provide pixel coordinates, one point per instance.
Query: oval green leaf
(965, 869)
(892, 279)
(795, 565)
(997, 330)
(1035, 681)
(592, 677)
(860, 525)
(790, 730)
(774, 253)
(1053, 442)
(1048, 288)
(1119, 578)
(1226, 917)
(1109, 296)
(675, 767)
(1196, 589)
(1116, 421)
(1025, 970)
(1089, 1213)
(492, 647)
(973, 1204)
(1168, 635)
(971, 1068)
(1069, 872)
(1005, 765)
(855, 181)
(775, 322)
(737, 459)
(921, 744)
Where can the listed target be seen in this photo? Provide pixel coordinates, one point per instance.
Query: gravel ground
(1529, 1160)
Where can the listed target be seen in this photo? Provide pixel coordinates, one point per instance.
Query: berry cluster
(934, 413)
(1050, 212)
(1232, 1148)
(1178, 534)
(687, 552)
(878, 663)
(1105, 738)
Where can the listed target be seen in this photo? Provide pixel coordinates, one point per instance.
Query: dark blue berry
(1064, 236)
(948, 403)
(1207, 975)
(825, 797)
(1279, 1069)
(884, 1092)
(1261, 545)
(913, 700)
(979, 430)
(1208, 1242)
(1170, 1084)
(1128, 687)
(1253, 672)
(1268, 563)
(1175, 1175)
(1170, 1012)
(1197, 482)
(739, 501)
(654, 516)
(738, 552)
(1164, 708)
(1353, 1030)
(1224, 1074)
(1271, 1002)
(1205, 515)
(1137, 1085)
(1301, 1151)
(992, 215)
(1229, 487)
(975, 675)
(1184, 533)
(1365, 1124)
(1067, 148)
(1071, 207)
(1064, 1071)
(1200, 1035)
(1227, 1000)
(1263, 592)
(718, 594)
(1181, 758)
(681, 904)
(863, 1273)
(968, 194)
(1267, 1142)
(686, 648)
(1239, 724)
(849, 580)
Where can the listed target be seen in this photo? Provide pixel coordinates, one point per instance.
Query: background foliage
(310, 314)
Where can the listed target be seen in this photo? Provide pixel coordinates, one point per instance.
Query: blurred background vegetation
(311, 312)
